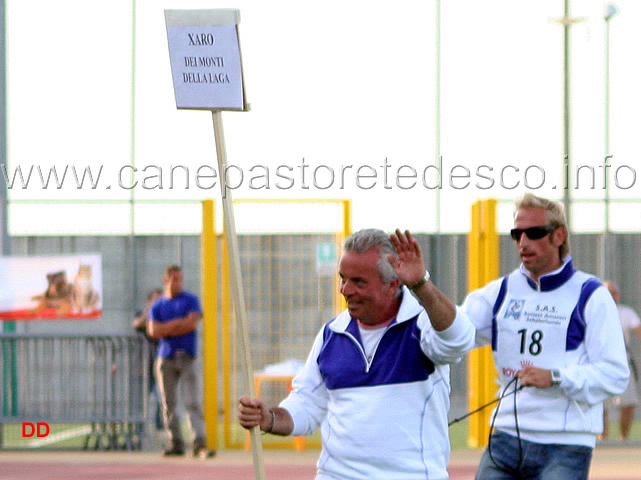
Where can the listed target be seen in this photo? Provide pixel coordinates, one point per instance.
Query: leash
(456, 420)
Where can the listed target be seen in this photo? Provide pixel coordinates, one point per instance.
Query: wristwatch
(556, 377)
(421, 282)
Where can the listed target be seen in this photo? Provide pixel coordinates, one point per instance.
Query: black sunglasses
(533, 233)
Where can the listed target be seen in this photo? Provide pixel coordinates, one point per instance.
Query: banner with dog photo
(51, 287)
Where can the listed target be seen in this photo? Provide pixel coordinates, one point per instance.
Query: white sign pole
(207, 73)
(237, 288)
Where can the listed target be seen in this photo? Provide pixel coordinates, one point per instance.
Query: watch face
(556, 377)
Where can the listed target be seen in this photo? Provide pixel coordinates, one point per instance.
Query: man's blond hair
(554, 214)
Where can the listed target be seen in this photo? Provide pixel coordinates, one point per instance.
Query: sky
(343, 101)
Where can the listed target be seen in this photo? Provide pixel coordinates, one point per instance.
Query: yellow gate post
(483, 260)
(209, 287)
(341, 303)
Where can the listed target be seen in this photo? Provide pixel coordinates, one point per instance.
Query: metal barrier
(99, 380)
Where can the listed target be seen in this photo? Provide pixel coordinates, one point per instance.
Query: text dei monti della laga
(205, 77)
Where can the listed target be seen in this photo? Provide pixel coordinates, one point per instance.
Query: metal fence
(100, 381)
(291, 299)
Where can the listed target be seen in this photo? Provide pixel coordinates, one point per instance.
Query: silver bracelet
(271, 428)
(421, 282)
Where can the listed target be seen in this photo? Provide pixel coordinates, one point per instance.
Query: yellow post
(341, 304)
(347, 218)
(475, 357)
(226, 347)
(210, 322)
(483, 260)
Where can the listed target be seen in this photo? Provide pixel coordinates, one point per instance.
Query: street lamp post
(605, 262)
(4, 196)
(566, 21)
(611, 11)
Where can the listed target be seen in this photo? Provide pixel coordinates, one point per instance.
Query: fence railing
(99, 380)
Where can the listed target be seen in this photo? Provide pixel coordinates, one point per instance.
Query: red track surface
(608, 464)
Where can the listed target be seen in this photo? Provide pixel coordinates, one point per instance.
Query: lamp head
(610, 11)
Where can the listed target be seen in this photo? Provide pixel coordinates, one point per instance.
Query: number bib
(532, 328)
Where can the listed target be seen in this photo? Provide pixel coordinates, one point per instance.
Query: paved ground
(608, 464)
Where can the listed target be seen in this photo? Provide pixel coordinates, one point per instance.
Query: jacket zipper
(368, 363)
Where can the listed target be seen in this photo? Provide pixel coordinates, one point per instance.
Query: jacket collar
(553, 280)
(409, 309)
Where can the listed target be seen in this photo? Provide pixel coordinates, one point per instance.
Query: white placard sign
(205, 59)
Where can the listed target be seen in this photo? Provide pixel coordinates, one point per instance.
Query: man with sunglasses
(555, 331)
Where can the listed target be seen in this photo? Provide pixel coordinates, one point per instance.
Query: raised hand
(409, 266)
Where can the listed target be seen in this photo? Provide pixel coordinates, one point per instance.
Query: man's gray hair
(365, 240)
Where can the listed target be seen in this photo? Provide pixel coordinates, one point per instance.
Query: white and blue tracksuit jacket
(568, 321)
(384, 419)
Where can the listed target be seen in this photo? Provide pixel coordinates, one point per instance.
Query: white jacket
(567, 322)
(387, 418)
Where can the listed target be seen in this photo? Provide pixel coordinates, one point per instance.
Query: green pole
(9, 371)
(567, 22)
(4, 196)
(437, 111)
(605, 261)
(132, 162)
(610, 12)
